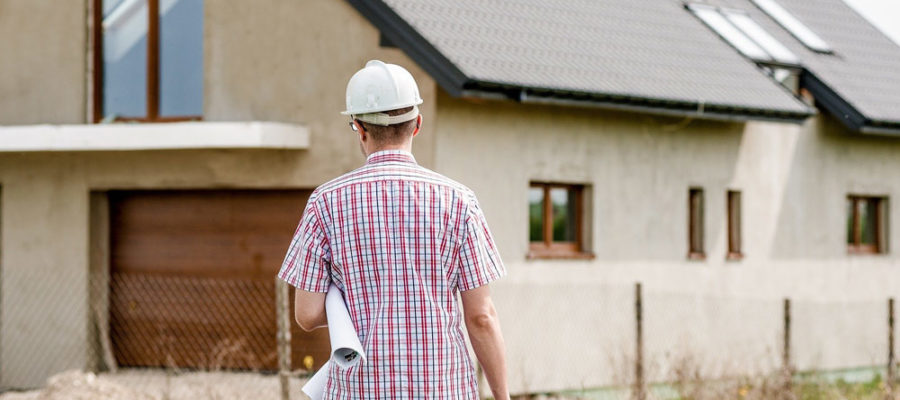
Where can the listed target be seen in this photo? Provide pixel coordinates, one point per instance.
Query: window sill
(154, 136)
(863, 253)
(559, 255)
(162, 120)
(696, 257)
(734, 257)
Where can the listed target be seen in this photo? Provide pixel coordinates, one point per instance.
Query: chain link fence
(161, 336)
(612, 343)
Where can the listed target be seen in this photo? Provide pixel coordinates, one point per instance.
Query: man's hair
(391, 134)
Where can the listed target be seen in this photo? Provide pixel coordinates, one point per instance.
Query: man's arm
(309, 309)
(486, 338)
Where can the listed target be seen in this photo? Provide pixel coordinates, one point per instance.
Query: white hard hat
(382, 87)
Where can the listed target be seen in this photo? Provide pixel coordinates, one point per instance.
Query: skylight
(744, 34)
(718, 23)
(794, 26)
(760, 36)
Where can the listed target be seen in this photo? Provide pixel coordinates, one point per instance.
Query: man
(400, 241)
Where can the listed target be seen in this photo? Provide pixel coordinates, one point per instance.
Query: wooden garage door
(192, 280)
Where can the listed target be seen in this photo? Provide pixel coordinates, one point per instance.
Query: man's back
(399, 241)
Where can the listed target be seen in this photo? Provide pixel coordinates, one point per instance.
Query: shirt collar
(390, 155)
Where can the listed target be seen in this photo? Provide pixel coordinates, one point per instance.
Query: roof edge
(831, 101)
(843, 111)
(400, 33)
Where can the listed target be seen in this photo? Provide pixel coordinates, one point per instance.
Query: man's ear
(418, 125)
(361, 131)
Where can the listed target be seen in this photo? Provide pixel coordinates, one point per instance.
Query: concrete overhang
(154, 136)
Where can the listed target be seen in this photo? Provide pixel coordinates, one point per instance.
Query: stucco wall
(290, 61)
(264, 60)
(794, 182)
(42, 61)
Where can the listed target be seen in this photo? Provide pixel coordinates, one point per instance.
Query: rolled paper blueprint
(346, 349)
(315, 386)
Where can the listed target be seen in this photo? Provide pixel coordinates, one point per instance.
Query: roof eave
(881, 129)
(404, 36)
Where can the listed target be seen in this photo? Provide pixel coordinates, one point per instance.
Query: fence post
(890, 365)
(283, 314)
(787, 370)
(640, 390)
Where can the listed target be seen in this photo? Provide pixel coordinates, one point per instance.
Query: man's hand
(486, 338)
(309, 309)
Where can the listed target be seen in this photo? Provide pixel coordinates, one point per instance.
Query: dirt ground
(159, 385)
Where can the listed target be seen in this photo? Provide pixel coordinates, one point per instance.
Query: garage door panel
(217, 254)
(192, 279)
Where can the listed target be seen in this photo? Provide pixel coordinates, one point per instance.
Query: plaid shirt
(399, 240)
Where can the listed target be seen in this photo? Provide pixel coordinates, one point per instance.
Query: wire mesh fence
(612, 343)
(164, 336)
(157, 336)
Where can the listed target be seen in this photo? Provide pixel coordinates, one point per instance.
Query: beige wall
(286, 61)
(264, 60)
(42, 61)
(794, 181)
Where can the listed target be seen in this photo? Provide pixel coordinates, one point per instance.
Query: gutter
(698, 109)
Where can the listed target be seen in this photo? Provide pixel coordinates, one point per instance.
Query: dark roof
(860, 82)
(654, 56)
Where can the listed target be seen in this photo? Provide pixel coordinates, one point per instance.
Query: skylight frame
(797, 28)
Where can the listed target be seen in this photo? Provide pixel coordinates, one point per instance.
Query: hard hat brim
(381, 109)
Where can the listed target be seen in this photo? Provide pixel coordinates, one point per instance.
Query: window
(718, 23)
(866, 224)
(695, 224)
(148, 60)
(778, 51)
(793, 25)
(744, 34)
(734, 225)
(555, 216)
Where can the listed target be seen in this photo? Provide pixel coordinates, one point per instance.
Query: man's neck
(405, 147)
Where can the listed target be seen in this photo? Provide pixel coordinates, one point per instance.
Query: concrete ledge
(154, 136)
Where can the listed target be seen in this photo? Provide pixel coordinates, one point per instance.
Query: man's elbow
(306, 321)
(484, 320)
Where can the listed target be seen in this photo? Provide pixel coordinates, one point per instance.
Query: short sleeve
(479, 260)
(308, 261)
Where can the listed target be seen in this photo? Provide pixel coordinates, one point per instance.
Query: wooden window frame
(152, 67)
(734, 224)
(548, 248)
(880, 246)
(695, 253)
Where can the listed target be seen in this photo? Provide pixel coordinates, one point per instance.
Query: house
(725, 153)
